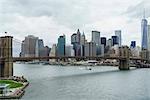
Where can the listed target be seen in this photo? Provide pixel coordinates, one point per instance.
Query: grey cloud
(137, 10)
(66, 12)
(26, 7)
(70, 13)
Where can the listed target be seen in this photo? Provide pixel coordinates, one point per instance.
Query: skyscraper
(77, 49)
(82, 39)
(98, 50)
(53, 53)
(114, 40)
(118, 33)
(29, 46)
(61, 46)
(90, 49)
(144, 44)
(148, 37)
(103, 41)
(76, 42)
(69, 50)
(109, 42)
(22, 53)
(133, 44)
(108, 45)
(78, 36)
(33, 47)
(96, 37)
(39, 47)
(74, 38)
(45, 51)
(102, 49)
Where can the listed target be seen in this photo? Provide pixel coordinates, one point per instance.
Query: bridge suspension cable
(17, 41)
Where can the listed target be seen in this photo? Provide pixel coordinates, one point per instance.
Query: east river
(77, 83)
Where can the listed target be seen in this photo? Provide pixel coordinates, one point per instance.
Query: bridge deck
(14, 59)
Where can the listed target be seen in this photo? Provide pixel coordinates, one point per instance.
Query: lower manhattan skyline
(52, 18)
(47, 19)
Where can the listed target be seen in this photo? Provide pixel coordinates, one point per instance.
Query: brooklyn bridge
(6, 58)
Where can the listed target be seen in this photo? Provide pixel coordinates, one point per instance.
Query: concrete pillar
(124, 54)
(144, 54)
(6, 65)
(124, 64)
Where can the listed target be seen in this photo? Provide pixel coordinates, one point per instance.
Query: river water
(77, 83)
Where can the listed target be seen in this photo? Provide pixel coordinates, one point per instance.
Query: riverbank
(13, 87)
(75, 63)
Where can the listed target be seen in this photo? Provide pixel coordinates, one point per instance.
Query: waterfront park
(11, 84)
(13, 87)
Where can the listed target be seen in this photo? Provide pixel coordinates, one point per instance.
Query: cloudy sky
(48, 19)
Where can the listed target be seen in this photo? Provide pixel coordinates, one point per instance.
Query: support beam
(124, 53)
(124, 64)
(6, 65)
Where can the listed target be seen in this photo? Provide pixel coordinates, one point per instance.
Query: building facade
(90, 49)
(61, 45)
(118, 34)
(109, 42)
(40, 48)
(33, 47)
(77, 40)
(74, 38)
(102, 49)
(148, 37)
(103, 41)
(114, 40)
(144, 44)
(96, 37)
(53, 53)
(29, 46)
(45, 51)
(83, 39)
(78, 36)
(133, 44)
(69, 50)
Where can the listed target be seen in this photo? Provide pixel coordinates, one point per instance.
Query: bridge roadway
(15, 59)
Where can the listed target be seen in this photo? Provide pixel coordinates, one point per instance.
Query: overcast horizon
(48, 19)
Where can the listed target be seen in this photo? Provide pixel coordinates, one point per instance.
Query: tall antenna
(144, 13)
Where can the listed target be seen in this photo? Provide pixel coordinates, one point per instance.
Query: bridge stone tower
(144, 54)
(6, 61)
(124, 54)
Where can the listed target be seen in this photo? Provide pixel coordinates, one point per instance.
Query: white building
(53, 53)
